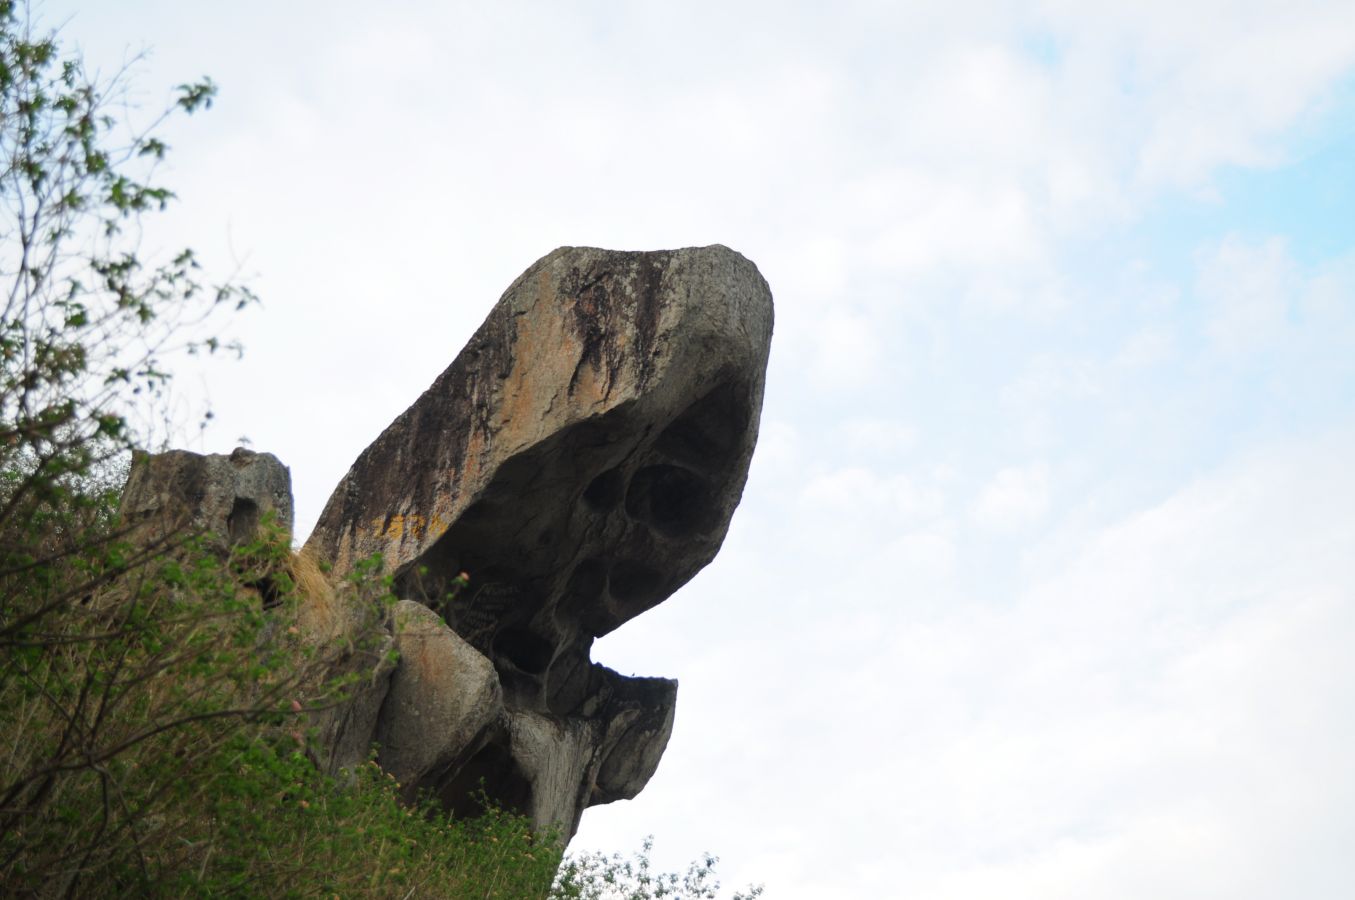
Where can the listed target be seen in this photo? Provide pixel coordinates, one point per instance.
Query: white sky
(1042, 585)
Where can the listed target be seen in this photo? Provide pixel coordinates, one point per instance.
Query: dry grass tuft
(318, 609)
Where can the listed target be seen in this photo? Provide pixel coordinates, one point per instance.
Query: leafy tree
(120, 660)
(86, 322)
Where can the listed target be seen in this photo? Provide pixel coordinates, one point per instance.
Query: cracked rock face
(580, 460)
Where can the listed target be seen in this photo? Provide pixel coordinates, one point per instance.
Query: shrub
(597, 876)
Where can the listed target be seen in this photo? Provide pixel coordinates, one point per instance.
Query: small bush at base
(596, 876)
(286, 831)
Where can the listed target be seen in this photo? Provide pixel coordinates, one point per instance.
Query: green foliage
(115, 710)
(85, 322)
(595, 876)
(282, 829)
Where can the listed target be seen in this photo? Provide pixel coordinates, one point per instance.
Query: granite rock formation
(223, 496)
(579, 461)
(223, 499)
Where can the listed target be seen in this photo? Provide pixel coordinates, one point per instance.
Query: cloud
(896, 498)
(880, 437)
(945, 224)
(846, 350)
(1037, 398)
(1247, 290)
(1017, 497)
(1197, 88)
(1147, 348)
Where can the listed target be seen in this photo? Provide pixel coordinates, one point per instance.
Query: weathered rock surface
(609, 753)
(223, 495)
(580, 459)
(442, 699)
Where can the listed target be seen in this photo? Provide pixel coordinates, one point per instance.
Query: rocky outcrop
(222, 496)
(222, 499)
(580, 460)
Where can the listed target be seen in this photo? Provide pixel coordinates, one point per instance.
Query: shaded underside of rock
(580, 458)
(550, 768)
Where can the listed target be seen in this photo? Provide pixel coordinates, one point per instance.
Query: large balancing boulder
(580, 460)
